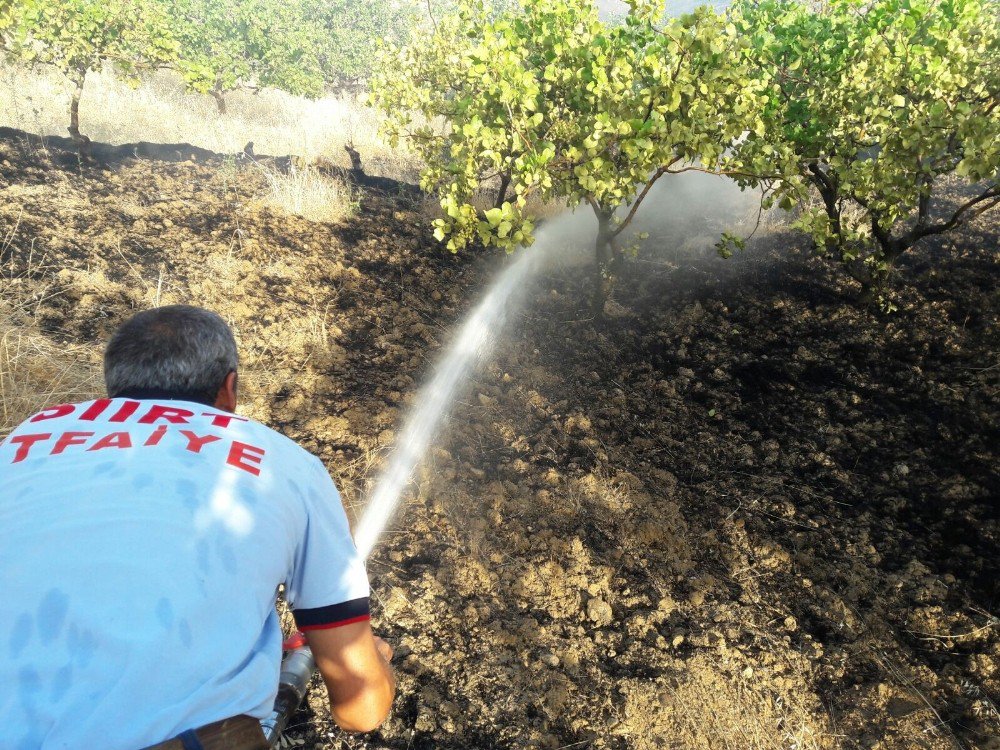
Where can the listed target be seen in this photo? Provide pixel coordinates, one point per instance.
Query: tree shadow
(67, 153)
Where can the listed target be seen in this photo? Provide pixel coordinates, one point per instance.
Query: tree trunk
(604, 270)
(82, 142)
(220, 99)
(74, 106)
(502, 194)
(355, 155)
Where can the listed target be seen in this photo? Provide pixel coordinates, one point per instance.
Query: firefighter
(145, 537)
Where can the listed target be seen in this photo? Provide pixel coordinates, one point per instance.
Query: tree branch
(822, 176)
(725, 173)
(923, 203)
(430, 13)
(638, 201)
(889, 246)
(989, 198)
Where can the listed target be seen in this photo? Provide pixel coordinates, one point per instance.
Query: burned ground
(747, 512)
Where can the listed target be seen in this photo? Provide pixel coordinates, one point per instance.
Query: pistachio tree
(80, 36)
(552, 102)
(5, 14)
(872, 107)
(6, 26)
(225, 45)
(347, 34)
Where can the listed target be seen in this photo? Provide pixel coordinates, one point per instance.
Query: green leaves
(868, 108)
(6, 18)
(81, 35)
(494, 217)
(572, 109)
(217, 45)
(851, 112)
(226, 44)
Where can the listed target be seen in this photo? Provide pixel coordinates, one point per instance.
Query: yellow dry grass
(159, 110)
(717, 712)
(35, 372)
(308, 193)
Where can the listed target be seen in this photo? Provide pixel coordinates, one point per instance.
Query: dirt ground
(745, 512)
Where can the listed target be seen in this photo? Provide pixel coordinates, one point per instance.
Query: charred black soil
(746, 512)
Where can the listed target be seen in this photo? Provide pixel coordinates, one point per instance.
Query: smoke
(684, 216)
(691, 204)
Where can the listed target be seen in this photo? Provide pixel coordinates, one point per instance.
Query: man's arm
(355, 667)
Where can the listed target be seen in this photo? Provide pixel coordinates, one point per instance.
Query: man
(144, 537)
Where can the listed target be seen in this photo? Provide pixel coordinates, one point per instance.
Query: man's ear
(225, 399)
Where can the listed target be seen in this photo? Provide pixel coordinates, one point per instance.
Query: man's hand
(355, 667)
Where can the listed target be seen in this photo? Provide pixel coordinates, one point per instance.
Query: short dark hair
(180, 350)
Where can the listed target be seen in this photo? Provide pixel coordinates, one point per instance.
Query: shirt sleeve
(328, 584)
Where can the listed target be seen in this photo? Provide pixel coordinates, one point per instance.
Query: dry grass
(716, 712)
(161, 111)
(310, 194)
(36, 372)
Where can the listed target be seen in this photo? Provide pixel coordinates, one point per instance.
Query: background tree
(6, 25)
(79, 36)
(553, 102)
(230, 44)
(346, 35)
(871, 105)
(5, 14)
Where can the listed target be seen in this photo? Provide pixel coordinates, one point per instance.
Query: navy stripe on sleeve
(333, 616)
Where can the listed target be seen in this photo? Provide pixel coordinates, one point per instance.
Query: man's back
(143, 542)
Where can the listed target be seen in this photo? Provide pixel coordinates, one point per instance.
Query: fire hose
(296, 670)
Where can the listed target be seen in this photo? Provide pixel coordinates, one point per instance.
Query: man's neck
(161, 394)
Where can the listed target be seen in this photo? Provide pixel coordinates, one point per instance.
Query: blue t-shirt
(141, 546)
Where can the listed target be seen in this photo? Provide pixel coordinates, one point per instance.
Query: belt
(237, 733)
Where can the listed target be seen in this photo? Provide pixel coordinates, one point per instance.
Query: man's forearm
(367, 711)
(358, 676)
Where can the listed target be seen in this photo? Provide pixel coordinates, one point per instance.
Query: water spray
(473, 342)
(569, 234)
(470, 347)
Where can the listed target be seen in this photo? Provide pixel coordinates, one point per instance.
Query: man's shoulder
(94, 427)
